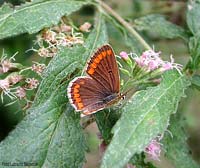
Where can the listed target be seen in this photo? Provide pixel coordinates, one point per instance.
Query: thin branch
(125, 24)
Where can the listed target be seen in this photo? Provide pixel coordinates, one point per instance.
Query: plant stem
(125, 24)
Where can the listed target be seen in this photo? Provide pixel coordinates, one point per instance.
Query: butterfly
(101, 88)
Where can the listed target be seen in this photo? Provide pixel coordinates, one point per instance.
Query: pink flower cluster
(61, 35)
(151, 60)
(6, 64)
(38, 68)
(15, 85)
(6, 86)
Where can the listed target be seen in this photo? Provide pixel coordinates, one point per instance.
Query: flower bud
(20, 93)
(85, 27)
(125, 57)
(153, 150)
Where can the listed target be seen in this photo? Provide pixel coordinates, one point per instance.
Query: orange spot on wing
(78, 100)
(103, 53)
(76, 86)
(93, 65)
(109, 52)
(80, 106)
(97, 60)
(100, 56)
(76, 95)
(75, 91)
(91, 71)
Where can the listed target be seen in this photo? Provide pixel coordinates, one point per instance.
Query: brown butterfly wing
(103, 68)
(86, 95)
(93, 93)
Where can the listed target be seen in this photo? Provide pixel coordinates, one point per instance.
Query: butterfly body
(110, 97)
(101, 88)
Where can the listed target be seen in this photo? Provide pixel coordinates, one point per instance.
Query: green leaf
(138, 160)
(194, 48)
(196, 81)
(158, 24)
(5, 8)
(50, 135)
(175, 145)
(193, 15)
(144, 117)
(105, 120)
(67, 147)
(34, 16)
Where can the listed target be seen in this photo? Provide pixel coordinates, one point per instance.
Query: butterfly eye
(122, 96)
